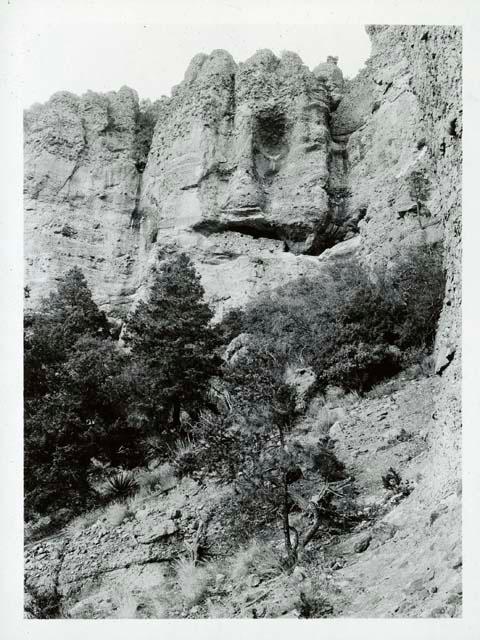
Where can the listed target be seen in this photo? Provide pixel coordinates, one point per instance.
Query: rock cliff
(262, 171)
(242, 174)
(256, 170)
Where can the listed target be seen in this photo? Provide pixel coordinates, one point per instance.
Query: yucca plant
(121, 484)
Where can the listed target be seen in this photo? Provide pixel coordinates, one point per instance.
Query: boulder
(303, 380)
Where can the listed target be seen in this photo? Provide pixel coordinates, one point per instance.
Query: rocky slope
(261, 172)
(403, 558)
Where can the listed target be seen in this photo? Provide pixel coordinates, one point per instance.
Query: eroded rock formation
(81, 192)
(254, 170)
(261, 172)
(242, 175)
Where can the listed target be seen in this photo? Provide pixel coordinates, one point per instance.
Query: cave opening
(270, 129)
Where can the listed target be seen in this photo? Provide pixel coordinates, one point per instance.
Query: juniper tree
(254, 445)
(173, 347)
(74, 405)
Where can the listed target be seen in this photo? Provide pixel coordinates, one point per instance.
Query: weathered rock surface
(255, 170)
(81, 190)
(239, 176)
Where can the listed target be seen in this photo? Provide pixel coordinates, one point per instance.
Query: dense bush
(86, 399)
(254, 444)
(353, 326)
(75, 404)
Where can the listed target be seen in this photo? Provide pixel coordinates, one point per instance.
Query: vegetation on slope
(93, 409)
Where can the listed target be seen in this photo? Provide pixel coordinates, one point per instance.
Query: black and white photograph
(241, 292)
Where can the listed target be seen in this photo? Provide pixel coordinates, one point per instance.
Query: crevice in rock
(208, 227)
(145, 122)
(136, 216)
(421, 144)
(448, 360)
(452, 128)
(70, 176)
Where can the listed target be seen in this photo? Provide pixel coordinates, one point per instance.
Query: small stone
(335, 431)
(220, 577)
(343, 584)
(164, 529)
(450, 610)
(299, 574)
(429, 575)
(363, 544)
(253, 581)
(453, 598)
(415, 585)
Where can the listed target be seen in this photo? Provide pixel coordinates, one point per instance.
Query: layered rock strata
(241, 175)
(81, 192)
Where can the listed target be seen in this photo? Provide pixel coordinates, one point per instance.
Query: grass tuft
(193, 580)
(256, 557)
(116, 513)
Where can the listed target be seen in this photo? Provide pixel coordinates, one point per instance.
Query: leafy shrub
(312, 605)
(162, 477)
(353, 326)
(86, 520)
(185, 459)
(127, 606)
(255, 445)
(324, 460)
(419, 190)
(255, 557)
(393, 482)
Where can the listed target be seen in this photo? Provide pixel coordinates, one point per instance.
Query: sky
(151, 57)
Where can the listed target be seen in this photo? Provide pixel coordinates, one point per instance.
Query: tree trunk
(314, 528)
(291, 552)
(176, 414)
(418, 215)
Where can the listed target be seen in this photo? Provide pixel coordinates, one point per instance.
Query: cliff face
(81, 192)
(238, 173)
(255, 170)
(402, 113)
(262, 172)
(242, 175)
